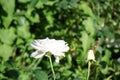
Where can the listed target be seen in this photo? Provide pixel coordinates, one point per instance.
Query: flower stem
(53, 72)
(89, 64)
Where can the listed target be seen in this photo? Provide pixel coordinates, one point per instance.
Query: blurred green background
(79, 22)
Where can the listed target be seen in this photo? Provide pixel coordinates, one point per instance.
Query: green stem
(37, 62)
(96, 74)
(52, 67)
(89, 64)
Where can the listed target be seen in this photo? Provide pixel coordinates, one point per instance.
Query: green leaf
(24, 76)
(5, 51)
(7, 35)
(9, 7)
(49, 2)
(86, 41)
(40, 4)
(33, 18)
(49, 16)
(89, 26)
(86, 44)
(33, 3)
(74, 3)
(40, 75)
(107, 56)
(62, 4)
(23, 30)
(67, 73)
(24, 1)
(87, 10)
(19, 41)
(104, 67)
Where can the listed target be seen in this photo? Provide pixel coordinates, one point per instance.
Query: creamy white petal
(57, 59)
(38, 45)
(58, 54)
(55, 47)
(90, 55)
(37, 54)
(35, 44)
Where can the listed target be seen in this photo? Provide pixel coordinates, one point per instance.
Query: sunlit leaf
(6, 51)
(24, 1)
(7, 35)
(107, 56)
(87, 10)
(89, 26)
(9, 7)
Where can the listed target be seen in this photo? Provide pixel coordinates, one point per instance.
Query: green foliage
(8, 7)
(5, 51)
(40, 75)
(80, 23)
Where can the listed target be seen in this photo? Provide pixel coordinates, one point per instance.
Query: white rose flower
(91, 56)
(55, 47)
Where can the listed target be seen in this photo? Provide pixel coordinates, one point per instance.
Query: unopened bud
(91, 56)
